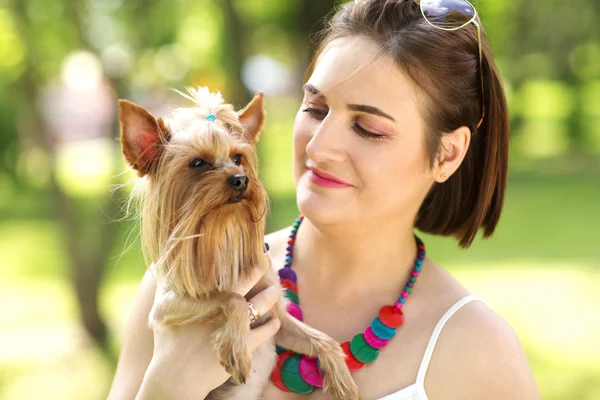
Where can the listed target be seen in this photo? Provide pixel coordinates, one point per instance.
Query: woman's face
(359, 125)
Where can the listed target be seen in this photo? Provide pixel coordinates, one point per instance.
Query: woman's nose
(327, 142)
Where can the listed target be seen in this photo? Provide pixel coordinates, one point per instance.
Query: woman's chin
(319, 208)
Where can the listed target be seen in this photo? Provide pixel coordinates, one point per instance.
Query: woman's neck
(346, 259)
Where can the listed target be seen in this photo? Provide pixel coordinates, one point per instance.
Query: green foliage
(547, 241)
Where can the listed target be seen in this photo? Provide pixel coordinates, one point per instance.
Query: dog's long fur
(201, 245)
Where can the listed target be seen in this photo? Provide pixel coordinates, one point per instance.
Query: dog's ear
(252, 118)
(142, 136)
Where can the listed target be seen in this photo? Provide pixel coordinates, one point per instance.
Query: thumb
(256, 275)
(261, 334)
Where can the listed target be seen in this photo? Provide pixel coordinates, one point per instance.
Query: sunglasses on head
(451, 15)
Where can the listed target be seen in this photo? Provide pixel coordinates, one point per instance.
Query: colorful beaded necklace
(301, 374)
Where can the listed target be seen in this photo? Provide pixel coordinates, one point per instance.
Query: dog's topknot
(205, 103)
(203, 98)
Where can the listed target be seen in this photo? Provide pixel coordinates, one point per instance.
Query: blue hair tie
(211, 117)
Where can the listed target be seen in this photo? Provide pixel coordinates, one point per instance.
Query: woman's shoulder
(478, 355)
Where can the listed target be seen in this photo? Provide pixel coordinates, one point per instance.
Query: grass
(540, 271)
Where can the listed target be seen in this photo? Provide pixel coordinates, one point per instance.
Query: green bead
(408, 289)
(361, 349)
(413, 279)
(290, 375)
(291, 296)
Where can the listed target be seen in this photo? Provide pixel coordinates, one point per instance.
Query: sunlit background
(69, 272)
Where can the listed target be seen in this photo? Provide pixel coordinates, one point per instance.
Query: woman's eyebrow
(370, 110)
(313, 90)
(354, 107)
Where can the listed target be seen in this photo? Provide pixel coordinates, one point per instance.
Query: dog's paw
(234, 354)
(342, 386)
(238, 365)
(338, 381)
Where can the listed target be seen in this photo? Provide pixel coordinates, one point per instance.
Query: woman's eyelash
(315, 112)
(365, 133)
(320, 114)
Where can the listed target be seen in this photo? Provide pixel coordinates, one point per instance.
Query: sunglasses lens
(448, 13)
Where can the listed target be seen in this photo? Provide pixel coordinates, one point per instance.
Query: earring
(443, 176)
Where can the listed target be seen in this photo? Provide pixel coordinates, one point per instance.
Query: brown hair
(444, 66)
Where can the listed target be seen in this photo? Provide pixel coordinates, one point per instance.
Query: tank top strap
(436, 334)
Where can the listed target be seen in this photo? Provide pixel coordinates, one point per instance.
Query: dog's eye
(237, 159)
(197, 163)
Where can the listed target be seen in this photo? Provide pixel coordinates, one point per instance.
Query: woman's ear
(454, 149)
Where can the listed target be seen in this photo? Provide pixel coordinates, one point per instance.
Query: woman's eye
(197, 163)
(365, 133)
(315, 113)
(237, 159)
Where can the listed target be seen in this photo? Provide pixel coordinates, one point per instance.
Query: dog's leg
(301, 338)
(227, 311)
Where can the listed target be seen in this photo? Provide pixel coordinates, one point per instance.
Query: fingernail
(267, 247)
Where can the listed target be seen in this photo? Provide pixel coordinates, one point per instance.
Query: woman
(404, 125)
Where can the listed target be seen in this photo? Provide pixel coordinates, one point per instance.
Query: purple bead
(289, 274)
(411, 284)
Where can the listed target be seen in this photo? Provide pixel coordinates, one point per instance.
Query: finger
(256, 275)
(266, 299)
(261, 334)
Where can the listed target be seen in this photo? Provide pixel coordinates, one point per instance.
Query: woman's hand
(184, 364)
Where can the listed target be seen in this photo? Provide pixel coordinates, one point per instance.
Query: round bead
(290, 295)
(287, 273)
(290, 376)
(294, 310)
(373, 340)
(382, 331)
(408, 289)
(309, 371)
(276, 373)
(413, 279)
(415, 274)
(398, 305)
(290, 241)
(391, 316)
(351, 361)
(361, 349)
(287, 284)
(405, 294)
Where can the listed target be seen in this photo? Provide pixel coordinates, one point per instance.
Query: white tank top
(416, 391)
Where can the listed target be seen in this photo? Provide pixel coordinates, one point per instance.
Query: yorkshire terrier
(203, 212)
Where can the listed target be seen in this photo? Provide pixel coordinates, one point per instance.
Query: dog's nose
(238, 182)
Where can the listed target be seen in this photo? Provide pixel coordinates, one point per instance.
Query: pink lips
(326, 180)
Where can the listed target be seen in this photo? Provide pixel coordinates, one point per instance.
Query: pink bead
(373, 340)
(415, 274)
(309, 371)
(398, 305)
(294, 310)
(405, 294)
